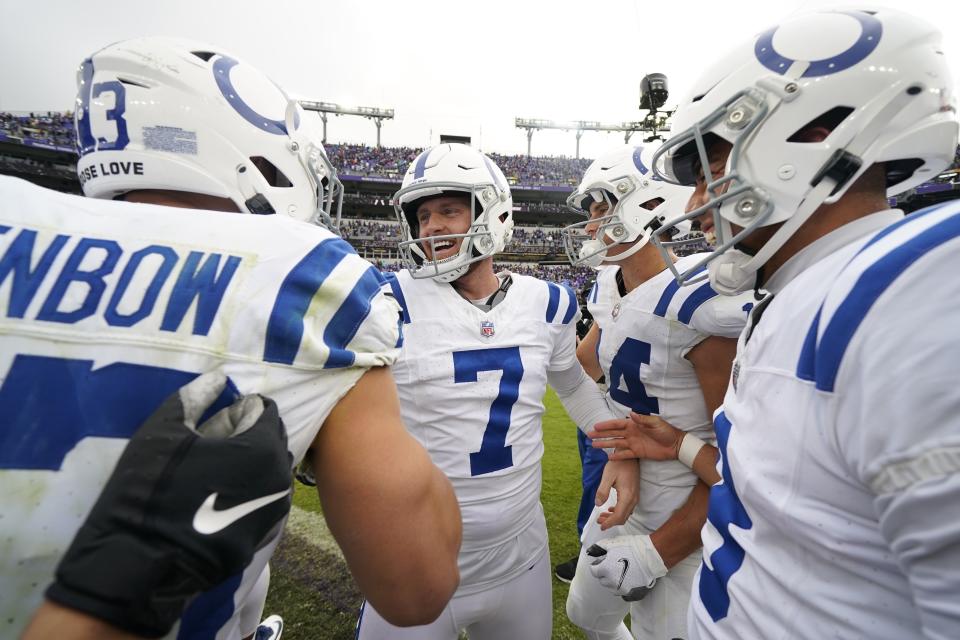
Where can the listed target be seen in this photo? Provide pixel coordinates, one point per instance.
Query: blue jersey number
(626, 387)
(494, 453)
(725, 509)
(50, 404)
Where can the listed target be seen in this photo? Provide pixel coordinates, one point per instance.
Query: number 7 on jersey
(494, 453)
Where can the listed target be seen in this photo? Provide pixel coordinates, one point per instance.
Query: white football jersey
(838, 513)
(643, 341)
(106, 308)
(471, 389)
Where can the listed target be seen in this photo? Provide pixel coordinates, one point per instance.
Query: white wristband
(689, 448)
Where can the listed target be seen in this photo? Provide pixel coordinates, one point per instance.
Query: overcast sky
(462, 67)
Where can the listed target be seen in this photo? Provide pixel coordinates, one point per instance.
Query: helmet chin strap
(734, 271)
(595, 251)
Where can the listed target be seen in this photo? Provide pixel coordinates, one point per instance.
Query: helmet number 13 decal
(101, 93)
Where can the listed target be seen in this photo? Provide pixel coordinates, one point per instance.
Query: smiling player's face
(443, 215)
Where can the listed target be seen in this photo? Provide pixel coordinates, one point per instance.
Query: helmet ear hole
(270, 172)
(828, 120)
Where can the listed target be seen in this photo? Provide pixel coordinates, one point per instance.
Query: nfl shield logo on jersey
(486, 329)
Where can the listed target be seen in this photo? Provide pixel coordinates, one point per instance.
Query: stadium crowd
(51, 128)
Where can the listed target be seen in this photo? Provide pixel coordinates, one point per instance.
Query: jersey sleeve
(889, 357)
(723, 316)
(562, 315)
(332, 312)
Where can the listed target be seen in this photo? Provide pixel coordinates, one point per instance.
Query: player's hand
(624, 476)
(185, 509)
(627, 565)
(639, 436)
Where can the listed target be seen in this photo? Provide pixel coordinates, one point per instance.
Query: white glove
(627, 565)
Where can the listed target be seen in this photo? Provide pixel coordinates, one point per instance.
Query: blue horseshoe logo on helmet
(638, 161)
(221, 72)
(871, 30)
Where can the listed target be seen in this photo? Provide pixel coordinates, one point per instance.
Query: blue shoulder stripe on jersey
(873, 282)
(910, 219)
(285, 327)
(694, 301)
(394, 283)
(346, 321)
(209, 611)
(554, 302)
(572, 304)
(421, 165)
(667, 297)
(807, 365)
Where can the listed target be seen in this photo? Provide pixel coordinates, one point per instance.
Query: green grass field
(311, 588)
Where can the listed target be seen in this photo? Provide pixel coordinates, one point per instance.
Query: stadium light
(376, 114)
(652, 124)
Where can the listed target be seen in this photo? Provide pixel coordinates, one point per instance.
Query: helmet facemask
(476, 244)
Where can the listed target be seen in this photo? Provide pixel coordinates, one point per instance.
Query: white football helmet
(637, 205)
(454, 168)
(164, 113)
(876, 78)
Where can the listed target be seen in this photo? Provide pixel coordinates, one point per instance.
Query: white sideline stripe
(312, 527)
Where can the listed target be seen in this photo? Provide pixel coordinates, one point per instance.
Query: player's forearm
(54, 621)
(705, 465)
(679, 536)
(581, 398)
(421, 519)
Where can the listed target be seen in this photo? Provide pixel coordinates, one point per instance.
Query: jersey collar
(828, 244)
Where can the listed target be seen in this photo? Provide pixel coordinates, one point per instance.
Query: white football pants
(599, 612)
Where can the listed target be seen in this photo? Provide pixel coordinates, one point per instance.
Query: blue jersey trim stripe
(694, 301)
(873, 282)
(595, 291)
(572, 305)
(209, 611)
(807, 365)
(913, 217)
(664, 303)
(285, 327)
(554, 302)
(394, 283)
(421, 165)
(345, 323)
(363, 607)
(667, 297)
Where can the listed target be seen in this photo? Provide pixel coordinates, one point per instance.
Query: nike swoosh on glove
(141, 556)
(627, 565)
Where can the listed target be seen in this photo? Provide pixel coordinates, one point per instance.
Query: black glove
(185, 509)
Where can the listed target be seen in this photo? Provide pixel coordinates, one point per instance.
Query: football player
(840, 431)
(479, 349)
(106, 307)
(142, 525)
(663, 350)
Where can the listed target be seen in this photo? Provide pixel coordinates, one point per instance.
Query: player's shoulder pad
(923, 242)
(330, 312)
